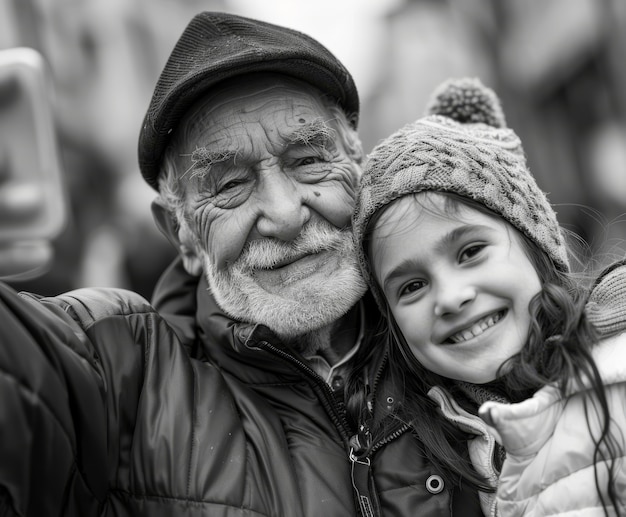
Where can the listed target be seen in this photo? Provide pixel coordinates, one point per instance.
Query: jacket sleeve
(51, 392)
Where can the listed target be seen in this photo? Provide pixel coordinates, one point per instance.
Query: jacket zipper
(360, 467)
(398, 431)
(362, 450)
(389, 438)
(329, 403)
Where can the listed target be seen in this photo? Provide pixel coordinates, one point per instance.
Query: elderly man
(226, 399)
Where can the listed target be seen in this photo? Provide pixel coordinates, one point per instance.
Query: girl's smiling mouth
(476, 329)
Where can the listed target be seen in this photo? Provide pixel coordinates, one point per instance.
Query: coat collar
(525, 427)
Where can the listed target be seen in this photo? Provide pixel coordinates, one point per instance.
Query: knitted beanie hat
(461, 146)
(216, 46)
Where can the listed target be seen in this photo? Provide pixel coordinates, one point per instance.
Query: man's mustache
(314, 238)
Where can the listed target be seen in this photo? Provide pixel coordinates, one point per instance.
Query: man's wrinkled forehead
(316, 134)
(246, 93)
(210, 130)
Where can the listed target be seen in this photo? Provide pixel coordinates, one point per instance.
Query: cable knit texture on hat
(462, 146)
(606, 307)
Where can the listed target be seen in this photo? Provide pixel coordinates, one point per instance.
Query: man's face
(269, 192)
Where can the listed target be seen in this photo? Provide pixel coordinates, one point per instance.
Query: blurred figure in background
(104, 58)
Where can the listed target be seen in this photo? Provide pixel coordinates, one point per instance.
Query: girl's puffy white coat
(549, 467)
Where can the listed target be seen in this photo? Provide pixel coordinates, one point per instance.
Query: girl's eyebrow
(449, 239)
(459, 233)
(400, 270)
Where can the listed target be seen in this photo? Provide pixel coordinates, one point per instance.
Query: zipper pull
(360, 473)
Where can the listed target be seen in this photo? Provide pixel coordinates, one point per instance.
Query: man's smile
(286, 261)
(293, 269)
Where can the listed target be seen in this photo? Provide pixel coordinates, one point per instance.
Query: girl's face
(458, 286)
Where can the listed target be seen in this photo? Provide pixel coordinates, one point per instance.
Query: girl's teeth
(477, 329)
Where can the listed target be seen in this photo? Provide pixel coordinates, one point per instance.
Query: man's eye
(412, 287)
(309, 160)
(230, 185)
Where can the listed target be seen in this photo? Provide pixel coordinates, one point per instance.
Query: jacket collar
(208, 333)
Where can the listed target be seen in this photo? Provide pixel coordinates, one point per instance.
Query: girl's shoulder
(606, 305)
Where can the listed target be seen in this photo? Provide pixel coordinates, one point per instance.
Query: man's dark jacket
(108, 407)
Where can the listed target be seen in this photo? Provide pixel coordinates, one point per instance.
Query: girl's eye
(472, 251)
(412, 287)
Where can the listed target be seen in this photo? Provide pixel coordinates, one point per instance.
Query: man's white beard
(297, 308)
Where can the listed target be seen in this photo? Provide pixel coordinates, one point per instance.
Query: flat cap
(216, 46)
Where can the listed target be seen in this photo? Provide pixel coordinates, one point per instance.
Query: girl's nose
(453, 297)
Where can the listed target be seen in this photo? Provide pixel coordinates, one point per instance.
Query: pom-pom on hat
(216, 46)
(468, 102)
(461, 146)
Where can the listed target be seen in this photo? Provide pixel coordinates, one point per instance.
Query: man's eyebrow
(411, 264)
(316, 133)
(202, 159)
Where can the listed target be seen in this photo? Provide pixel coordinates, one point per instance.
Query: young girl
(464, 254)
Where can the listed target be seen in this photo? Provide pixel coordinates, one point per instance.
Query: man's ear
(179, 236)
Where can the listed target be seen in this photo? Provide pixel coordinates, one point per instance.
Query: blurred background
(556, 64)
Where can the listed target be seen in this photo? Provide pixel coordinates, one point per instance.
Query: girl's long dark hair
(558, 351)
(444, 444)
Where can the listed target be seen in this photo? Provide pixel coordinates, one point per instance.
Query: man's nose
(453, 297)
(282, 212)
